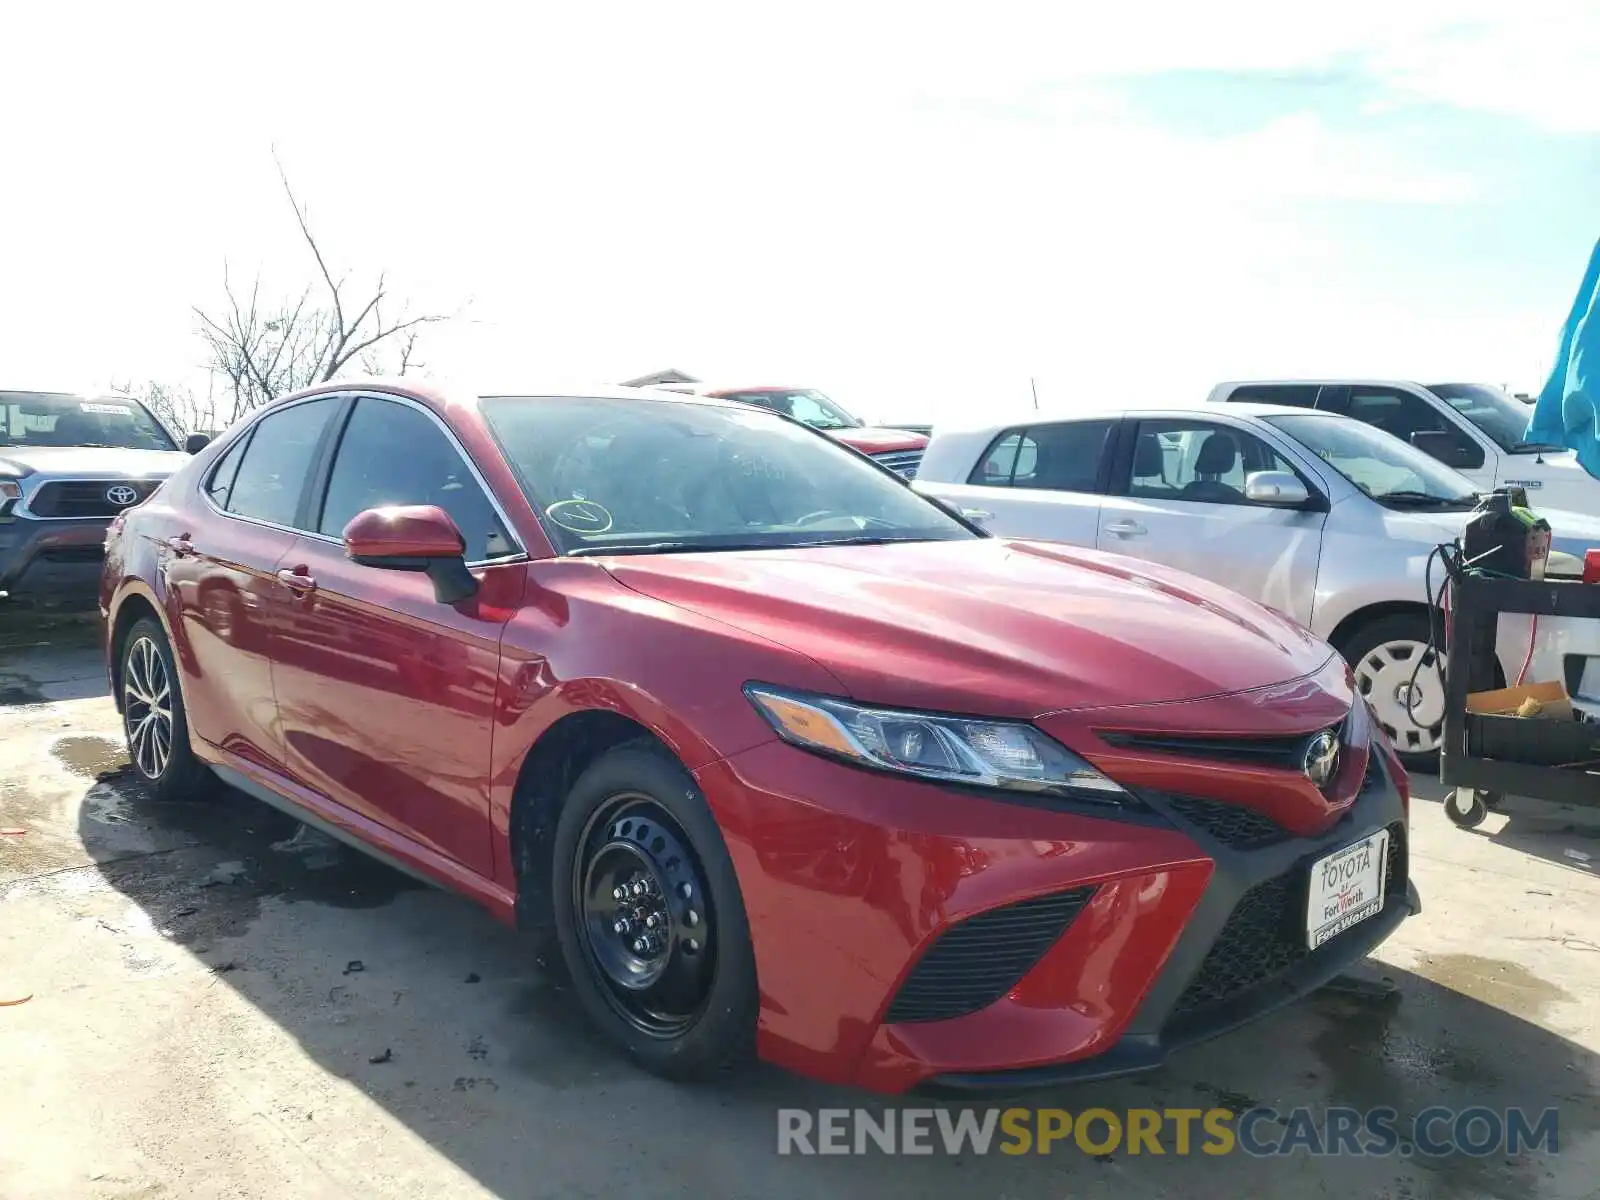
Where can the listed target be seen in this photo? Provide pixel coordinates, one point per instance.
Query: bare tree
(260, 349)
(178, 406)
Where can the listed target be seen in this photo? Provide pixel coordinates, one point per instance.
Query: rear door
(387, 694)
(220, 568)
(1178, 499)
(1040, 481)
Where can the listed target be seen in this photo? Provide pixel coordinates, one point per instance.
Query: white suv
(1317, 516)
(1477, 429)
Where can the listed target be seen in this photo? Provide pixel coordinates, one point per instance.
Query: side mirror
(1280, 489)
(1443, 445)
(413, 537)
(196, 442)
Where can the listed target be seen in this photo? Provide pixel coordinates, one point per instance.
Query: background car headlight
(10, 493)
(998, 754)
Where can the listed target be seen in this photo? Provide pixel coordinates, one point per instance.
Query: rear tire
(1384, 655)
(153, 717)
(650, 919)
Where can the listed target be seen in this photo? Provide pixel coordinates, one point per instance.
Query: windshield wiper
(668, 548)
(1426, 499)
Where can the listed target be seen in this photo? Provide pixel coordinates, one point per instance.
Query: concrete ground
(221, 1007)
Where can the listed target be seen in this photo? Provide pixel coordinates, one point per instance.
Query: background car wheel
(1409, 703)
(648, 912)
(153, 716)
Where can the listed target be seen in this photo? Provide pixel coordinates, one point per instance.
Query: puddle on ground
(91, 757)
(1507, 986)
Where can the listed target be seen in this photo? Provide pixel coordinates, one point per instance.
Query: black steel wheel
(649, 915)
(646, 914)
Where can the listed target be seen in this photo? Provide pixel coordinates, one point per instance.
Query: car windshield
(625, 476)
(1502, 417)
(52, 419)
(1382, 466)
(803, 404)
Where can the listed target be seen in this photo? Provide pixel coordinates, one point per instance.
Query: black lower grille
(89, 498)
(978, 960)
(1265, 935)
(74, 554)
(1230, 824)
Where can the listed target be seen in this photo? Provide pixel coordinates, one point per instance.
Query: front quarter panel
(583, 642)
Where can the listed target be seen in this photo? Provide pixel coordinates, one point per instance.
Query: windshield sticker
(106, 410)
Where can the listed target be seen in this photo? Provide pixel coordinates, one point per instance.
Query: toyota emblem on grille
(1322, 758)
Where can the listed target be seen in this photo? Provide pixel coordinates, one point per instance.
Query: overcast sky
(912, 206)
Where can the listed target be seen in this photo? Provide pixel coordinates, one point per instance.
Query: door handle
(1127, 529)
(181, 546)
(297, 582)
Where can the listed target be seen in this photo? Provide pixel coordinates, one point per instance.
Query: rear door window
(1064, 456)
(276, 467)
(1298, 395)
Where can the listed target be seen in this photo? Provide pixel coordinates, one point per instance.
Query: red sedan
(792, 760)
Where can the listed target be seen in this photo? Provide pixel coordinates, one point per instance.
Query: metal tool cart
(1486, 756)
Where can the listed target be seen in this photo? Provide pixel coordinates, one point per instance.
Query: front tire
(650, 919)
(153, 717)
(1408, 702)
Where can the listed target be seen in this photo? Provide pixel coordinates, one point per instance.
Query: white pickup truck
(1477, 429)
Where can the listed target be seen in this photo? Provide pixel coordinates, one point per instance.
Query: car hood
(872, 440)
(1570, 532)
(96, 462)
(989, 626)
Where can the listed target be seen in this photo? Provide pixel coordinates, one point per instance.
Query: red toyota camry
(792, 760)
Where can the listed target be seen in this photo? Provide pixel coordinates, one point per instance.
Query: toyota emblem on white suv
(122, 495)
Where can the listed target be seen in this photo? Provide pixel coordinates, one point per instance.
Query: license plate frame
(1346, 887)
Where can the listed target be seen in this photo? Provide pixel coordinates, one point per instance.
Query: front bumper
(55, 562)
(1173, 937)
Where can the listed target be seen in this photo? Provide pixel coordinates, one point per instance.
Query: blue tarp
(1565, 414)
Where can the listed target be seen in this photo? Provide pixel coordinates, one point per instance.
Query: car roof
(452, 393)
(1342, 381)
(1178, 412)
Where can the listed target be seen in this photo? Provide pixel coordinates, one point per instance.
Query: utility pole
(1034, 384)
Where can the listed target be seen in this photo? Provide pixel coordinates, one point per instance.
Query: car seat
(1218, 456)
(1150, 462)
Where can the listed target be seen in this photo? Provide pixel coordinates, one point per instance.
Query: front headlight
(1011, 755)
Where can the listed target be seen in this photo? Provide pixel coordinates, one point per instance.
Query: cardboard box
(1554, 703)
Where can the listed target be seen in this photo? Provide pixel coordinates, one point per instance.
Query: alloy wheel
(644, 915)
(147, 708)
(1408, 701)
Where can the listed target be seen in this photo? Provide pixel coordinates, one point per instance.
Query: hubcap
(1410, 710)
(645, 915)
(147, 708)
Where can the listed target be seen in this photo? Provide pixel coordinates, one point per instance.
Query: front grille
(975, 962)
(87, 497)
(1231, 824)
(901, 462)
(1265, 934)
(1286, 753)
